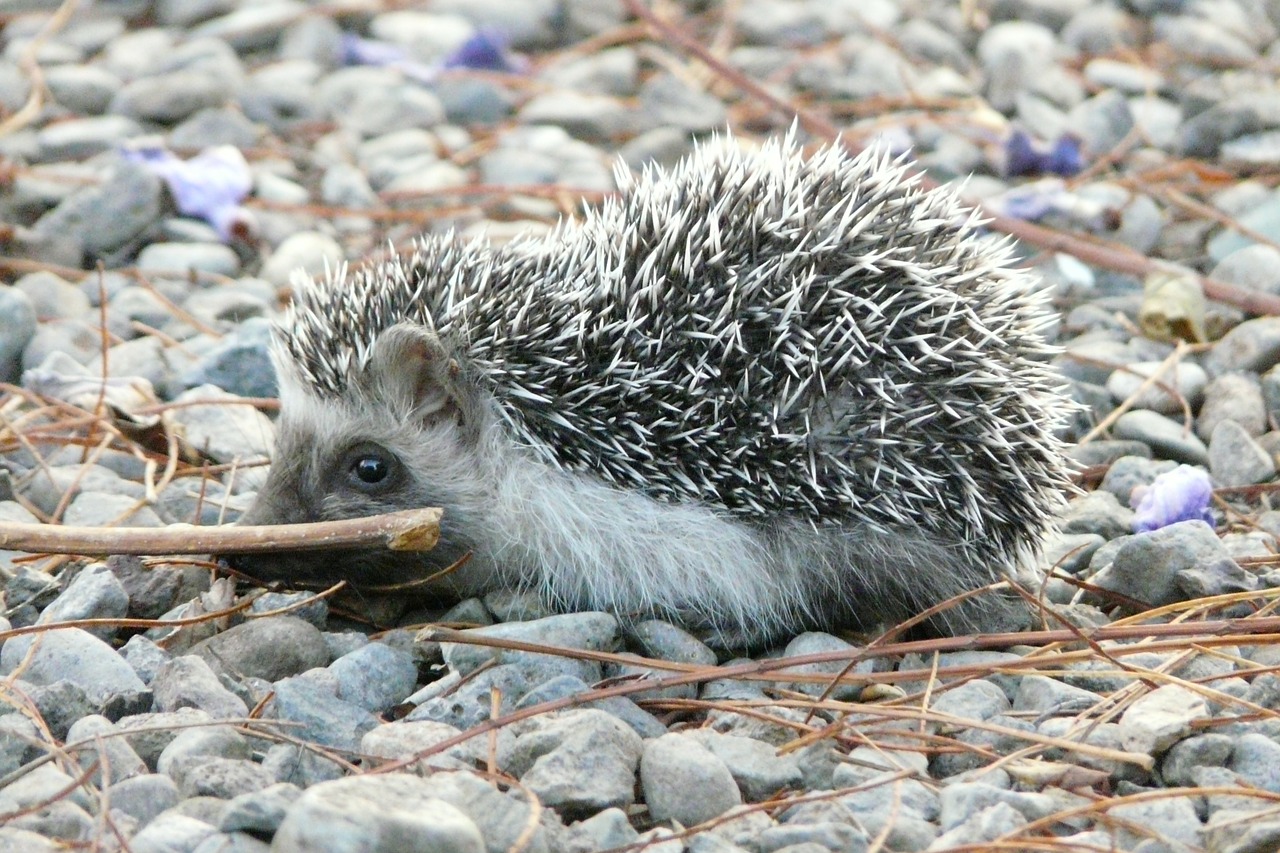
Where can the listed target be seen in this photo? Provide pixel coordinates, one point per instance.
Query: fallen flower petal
(1182, 494)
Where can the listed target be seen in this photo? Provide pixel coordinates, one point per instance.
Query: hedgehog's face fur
(403, 436)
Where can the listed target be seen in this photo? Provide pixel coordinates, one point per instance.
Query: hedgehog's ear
(408, 364)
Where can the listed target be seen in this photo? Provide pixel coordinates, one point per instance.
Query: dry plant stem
(1108, 256)
(409, 530)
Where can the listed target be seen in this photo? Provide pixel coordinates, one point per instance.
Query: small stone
(309, 252)
(1235, 459)
(114, 757)
(589, 631)
(222, 429)
(1154, 722)
(1172, 819)
(1131, 472)
(1206, 750)
(78, 656)
(104, 218)
(17, 327)
(585, 116)
(311, 704)
(1186, 378)
(1098, 513)
(270, 648)
(188, 682)
(756, 767)
(405, 737)
(170, 98)
(223, 778)
(170, 831)
(52, 296)
(388, 813)
(1162, 435)
(143, 797)
(1253, 346)
(375, 676)
(80, 138)
(1233, 397)
(581, 761)
(149, 734)
(684, 781)
(94, 593)
(1255, 267)
(1147, 565)
(179, 259)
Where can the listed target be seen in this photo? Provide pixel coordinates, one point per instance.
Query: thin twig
(409, 530)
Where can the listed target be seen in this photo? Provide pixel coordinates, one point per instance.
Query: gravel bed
(188, 158)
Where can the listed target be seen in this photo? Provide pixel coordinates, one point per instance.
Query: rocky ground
(169, 165)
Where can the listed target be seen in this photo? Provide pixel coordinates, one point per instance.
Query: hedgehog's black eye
(371, 468)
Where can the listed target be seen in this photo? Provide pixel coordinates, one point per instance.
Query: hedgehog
(757, 394)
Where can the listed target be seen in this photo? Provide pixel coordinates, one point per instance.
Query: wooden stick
(409, 530)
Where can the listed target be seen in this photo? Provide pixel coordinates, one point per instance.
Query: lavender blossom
(1179, 495)
(209, 186)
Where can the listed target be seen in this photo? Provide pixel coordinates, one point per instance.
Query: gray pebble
(756, 767)
(320, 716)
(1173, 820)
(1233, 397)
(170, 832)
(189, 682)
(144, 656)
(269, 648)
(589, 631)
(170, 98)
(17, 326)
(375, 676)
(223, 778)
(143, 797)
(1130, 472)
(224, 431)
(983, 826)
(253, 27)
(312, 610)
(1235, 459)
(1050, 696)
(1253, 346)
(377, 814)
(585, 116)
(80, 138)
(1255, 267)
(1205, 750)
(309, 252)
(1165, 437)
(215, 126)
(181, 258)
(1187, 379)
(1099, 513)
(52, 296)
(259, 811)
(84, 89)
(78, 656)
(404, 738)
(1159, 719)
(112, 755)
(105, 509)
(684, 781)
(94, 593)
(1147, 565)
(580, 761)
(38, 786)
(668, 101)
(470, 703)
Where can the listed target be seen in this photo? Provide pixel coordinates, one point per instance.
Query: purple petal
(210, 185)
(362, 51)
(1020, 156)
(1030, 201)
(1066, 158)
(1182, 494)
(484, 51)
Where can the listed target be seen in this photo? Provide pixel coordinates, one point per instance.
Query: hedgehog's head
(402, 431)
